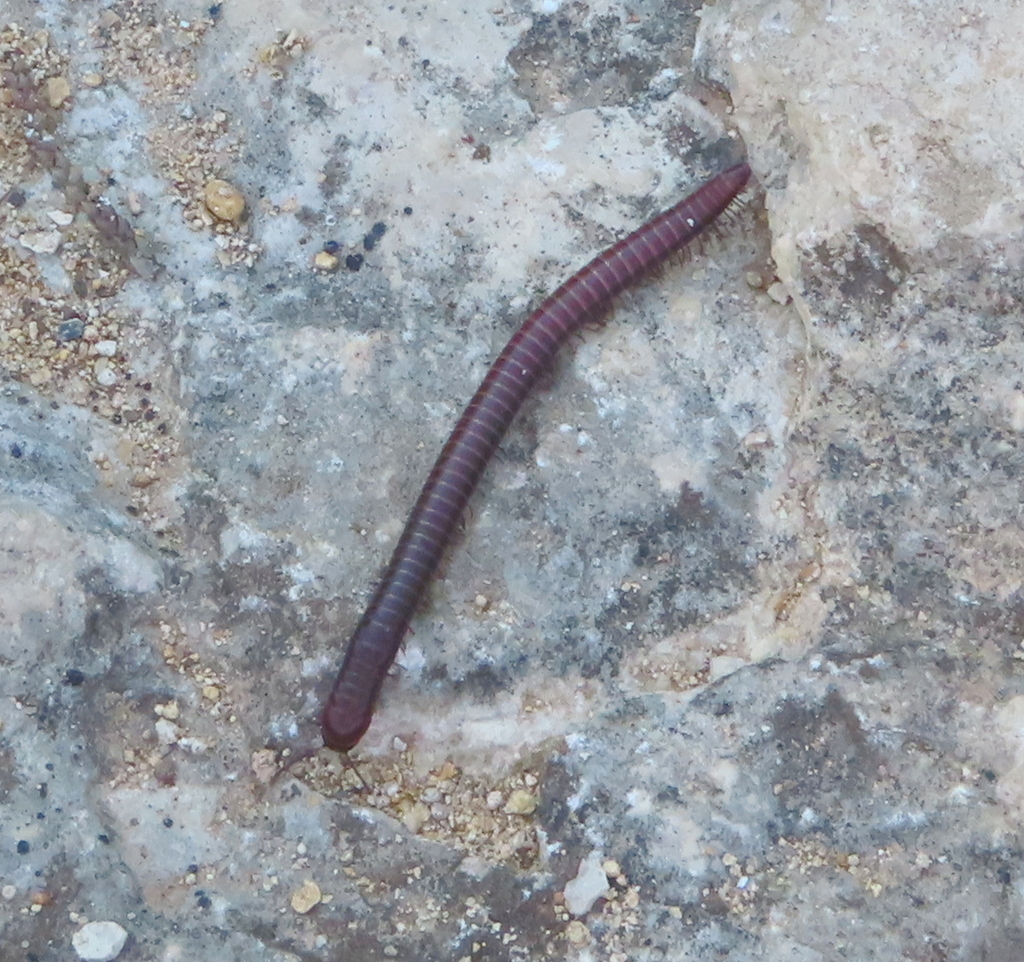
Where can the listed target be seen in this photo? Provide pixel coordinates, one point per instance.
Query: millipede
(435, 516)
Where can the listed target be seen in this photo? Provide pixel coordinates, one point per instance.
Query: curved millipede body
(581, 299)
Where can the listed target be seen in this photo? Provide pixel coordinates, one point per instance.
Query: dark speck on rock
(376, 233)
(16, 451)
(354, 261)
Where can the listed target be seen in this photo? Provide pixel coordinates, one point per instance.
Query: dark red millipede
(582, 298)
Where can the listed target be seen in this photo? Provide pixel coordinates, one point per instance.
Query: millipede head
(342, 728)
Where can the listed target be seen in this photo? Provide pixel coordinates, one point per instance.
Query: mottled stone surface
(736, 620)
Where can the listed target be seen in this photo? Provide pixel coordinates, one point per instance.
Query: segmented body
(435, 516)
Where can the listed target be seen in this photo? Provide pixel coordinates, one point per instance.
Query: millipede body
(435, 516)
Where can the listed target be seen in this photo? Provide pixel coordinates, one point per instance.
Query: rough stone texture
(737, 615)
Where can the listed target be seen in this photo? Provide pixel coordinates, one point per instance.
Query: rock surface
(728, 661)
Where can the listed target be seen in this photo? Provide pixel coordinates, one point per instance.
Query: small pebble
(99, 941)
(224, 201)
(57, 90)
(166, 731)
(323, 261)
(305, 897)
(521, 802)
(105, 348)
(587, 887)
(577, 933)
(41, 241)
(416, 817)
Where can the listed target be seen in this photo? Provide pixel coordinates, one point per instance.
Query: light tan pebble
(577, 933)
(41, 241)
(611, 868)
(93, 80)
(521, 802)
(168, 710)
(211, 692)
(778, 293)
(61, 218)
(323, 261)
(304, 898)
(57, 91)
(141, 481)
(224, 201)
(416, 817)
